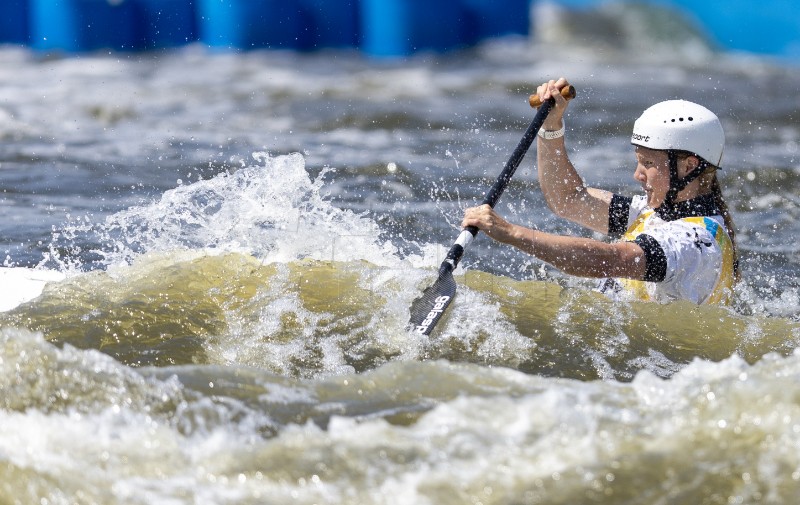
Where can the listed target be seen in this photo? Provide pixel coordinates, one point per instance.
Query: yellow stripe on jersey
(724, 287)
(635, 287)
(722, 290)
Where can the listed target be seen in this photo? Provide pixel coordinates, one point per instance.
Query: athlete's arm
(573, 255)
(563, 189)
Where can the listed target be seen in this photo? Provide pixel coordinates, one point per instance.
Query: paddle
(429, 308)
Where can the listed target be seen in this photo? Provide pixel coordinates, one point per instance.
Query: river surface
(243, 233)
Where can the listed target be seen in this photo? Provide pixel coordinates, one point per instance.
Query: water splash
(272, 210)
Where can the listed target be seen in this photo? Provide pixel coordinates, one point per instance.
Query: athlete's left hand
(488, 221)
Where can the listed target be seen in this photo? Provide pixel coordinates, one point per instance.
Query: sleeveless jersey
(689, 256)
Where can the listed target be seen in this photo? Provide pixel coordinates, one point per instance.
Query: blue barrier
(333, 23)
(248, 24)
(402, 27)
(767, 27)
(80, 25)
(165, 23)
(14, 22)
(495, 18)
(380, 27)
(770, 27)
(295, 24)
(123, 25)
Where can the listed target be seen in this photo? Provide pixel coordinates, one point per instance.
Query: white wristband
(552, 134)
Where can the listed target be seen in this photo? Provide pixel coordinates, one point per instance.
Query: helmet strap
(676, 184)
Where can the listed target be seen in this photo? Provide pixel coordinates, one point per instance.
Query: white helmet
(682, 126)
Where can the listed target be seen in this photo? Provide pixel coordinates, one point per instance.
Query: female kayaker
(675, 242)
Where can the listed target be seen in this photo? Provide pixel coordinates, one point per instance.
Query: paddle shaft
(493, 195)
(426, 310)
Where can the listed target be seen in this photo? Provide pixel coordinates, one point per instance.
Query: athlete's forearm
(558, 179)
(580, 256)
(564, 190)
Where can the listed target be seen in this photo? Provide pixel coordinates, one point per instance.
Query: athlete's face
(652, 172)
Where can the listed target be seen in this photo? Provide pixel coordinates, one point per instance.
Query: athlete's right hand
(552, 89)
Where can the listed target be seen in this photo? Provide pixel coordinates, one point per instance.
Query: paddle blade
(429, 308)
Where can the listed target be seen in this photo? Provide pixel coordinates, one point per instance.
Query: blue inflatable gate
(379, 27)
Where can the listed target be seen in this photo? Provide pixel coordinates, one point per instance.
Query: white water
(232, 326)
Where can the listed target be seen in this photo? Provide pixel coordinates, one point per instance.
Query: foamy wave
(272, 210)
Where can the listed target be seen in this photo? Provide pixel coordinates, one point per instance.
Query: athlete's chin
(652, 201)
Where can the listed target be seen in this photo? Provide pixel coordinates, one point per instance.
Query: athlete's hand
(552, 89)
(488, 221)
